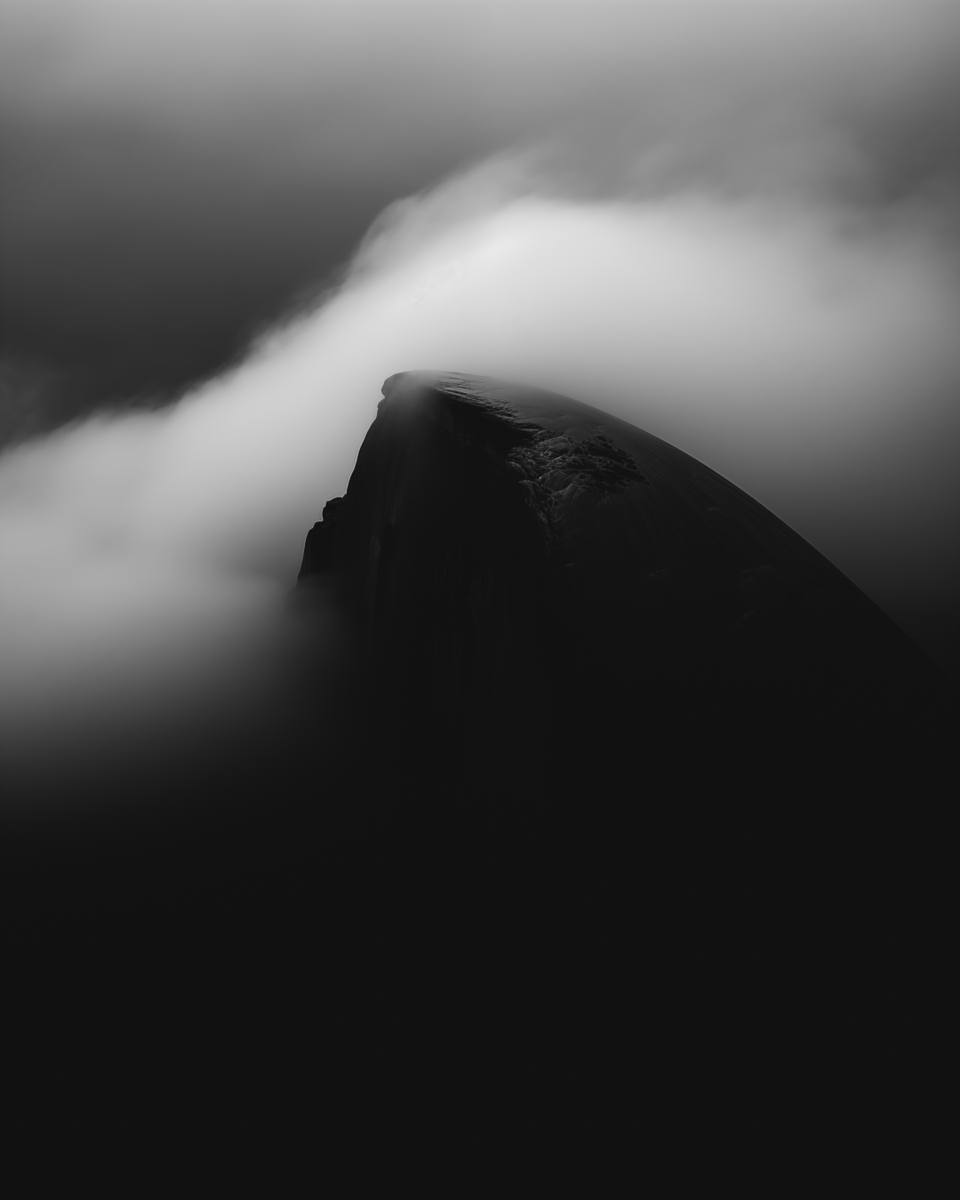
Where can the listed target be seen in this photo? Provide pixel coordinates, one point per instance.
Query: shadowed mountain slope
(636, 743)
(545, 588)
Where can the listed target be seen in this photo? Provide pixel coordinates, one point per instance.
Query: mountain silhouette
(540, 587)
(626, 792)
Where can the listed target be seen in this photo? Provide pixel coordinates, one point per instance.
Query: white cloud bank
(144, 558)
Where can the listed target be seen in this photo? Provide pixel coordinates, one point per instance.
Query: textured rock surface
(556, 593)
(661, 787)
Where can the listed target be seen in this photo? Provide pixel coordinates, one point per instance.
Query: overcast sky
(734, 222)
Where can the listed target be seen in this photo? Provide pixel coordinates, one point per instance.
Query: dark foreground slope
(631, 803)
(633, 740)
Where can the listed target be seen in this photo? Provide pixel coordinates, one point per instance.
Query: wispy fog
(733, 224)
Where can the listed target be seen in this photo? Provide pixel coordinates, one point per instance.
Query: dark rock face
(616, 701)
(554, 595)
(318, 551)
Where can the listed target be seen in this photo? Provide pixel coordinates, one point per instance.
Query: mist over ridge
(747, 247)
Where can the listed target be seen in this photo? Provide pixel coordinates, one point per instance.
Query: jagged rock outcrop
(318, 549)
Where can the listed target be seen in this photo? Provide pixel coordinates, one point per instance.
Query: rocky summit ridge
(552, 590)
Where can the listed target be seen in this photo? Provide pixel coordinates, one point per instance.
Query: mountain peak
(531, 574)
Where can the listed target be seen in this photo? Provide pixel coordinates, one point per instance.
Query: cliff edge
(528, 571)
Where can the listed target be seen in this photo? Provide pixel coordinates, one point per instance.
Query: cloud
(145, 555)
(732, 230)
(175, 172)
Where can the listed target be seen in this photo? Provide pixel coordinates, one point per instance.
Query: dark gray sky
(734, 222)
(174, 174)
